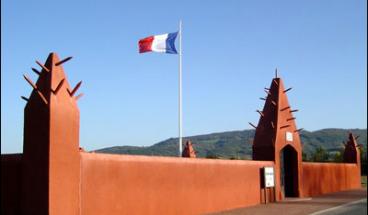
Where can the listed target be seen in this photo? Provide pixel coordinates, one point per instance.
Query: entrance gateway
(277, 139)
(289, 171)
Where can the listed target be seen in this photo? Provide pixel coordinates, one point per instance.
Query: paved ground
(353, 202)
(352, 208)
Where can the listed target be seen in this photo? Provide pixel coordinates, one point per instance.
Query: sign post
(269, 179)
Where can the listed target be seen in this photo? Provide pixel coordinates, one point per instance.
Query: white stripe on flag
(159, 43)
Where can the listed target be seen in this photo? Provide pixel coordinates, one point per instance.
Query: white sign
(289, 136)
(269, 177)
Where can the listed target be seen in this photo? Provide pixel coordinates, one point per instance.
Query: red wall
(123, 184)
(320, 178)
(11, 173)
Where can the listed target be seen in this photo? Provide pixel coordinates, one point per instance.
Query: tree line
(320, 154)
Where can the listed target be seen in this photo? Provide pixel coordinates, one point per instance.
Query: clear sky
(230, 51)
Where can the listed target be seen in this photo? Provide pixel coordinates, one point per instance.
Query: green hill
(237, 144)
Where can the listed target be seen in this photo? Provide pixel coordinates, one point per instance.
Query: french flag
(164, 43)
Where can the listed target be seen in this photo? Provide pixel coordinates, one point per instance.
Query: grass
(364, 181)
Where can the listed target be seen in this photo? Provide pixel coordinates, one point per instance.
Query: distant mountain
(237, 144)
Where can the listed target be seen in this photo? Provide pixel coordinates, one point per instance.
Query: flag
(164, 43)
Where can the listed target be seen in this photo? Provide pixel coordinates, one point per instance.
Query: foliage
(212, 155)
(363, 159)
(237, 144)
(320, 155)
(338, 157)
(304, 156)
(364, 181)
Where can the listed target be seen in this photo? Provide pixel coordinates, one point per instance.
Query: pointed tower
(188, 151)
(51, 160)
(352, 153)
(277, 139)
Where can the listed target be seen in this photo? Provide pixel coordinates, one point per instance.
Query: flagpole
(180, 93)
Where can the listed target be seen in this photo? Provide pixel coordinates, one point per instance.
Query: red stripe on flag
(145, 44)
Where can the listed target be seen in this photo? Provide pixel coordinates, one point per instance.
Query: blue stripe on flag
(170, 43)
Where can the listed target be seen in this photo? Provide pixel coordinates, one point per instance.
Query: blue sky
(230, 51)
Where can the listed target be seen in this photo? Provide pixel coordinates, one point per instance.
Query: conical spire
(188, 151)
(277, 138)
(51, 81)
(276, 125)
(51, 142)
(351, 153)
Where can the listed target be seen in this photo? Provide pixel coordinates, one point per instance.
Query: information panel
(269, 177)
(289, 136)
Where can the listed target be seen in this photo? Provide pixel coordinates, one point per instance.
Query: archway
(289, 171)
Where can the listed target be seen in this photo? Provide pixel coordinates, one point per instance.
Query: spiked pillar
(51, 166)
(277, 139)
(188, 151)
(352, 153)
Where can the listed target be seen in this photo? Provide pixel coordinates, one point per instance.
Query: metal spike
(79, 96)
(285, 108)
(274, 103)
(296, 110)
(274, 81)
(63, 61)
(252, 125)
(30, 82)
(59, 86)
(285, 126)
(260, 113)
(262, 98)
(357, 137)
(267, 88)
(268, 92)
(43, 66)
(299, 130)
(25, 98)
(292, 118)
(75, 88)
(36, 71)
(42, 97)
(276, 72)
(287, 89)
(273, 126)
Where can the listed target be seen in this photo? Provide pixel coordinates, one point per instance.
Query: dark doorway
(289, 171)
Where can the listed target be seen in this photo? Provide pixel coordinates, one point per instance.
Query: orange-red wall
(11, 173)
(320, 178)
(123, 184)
